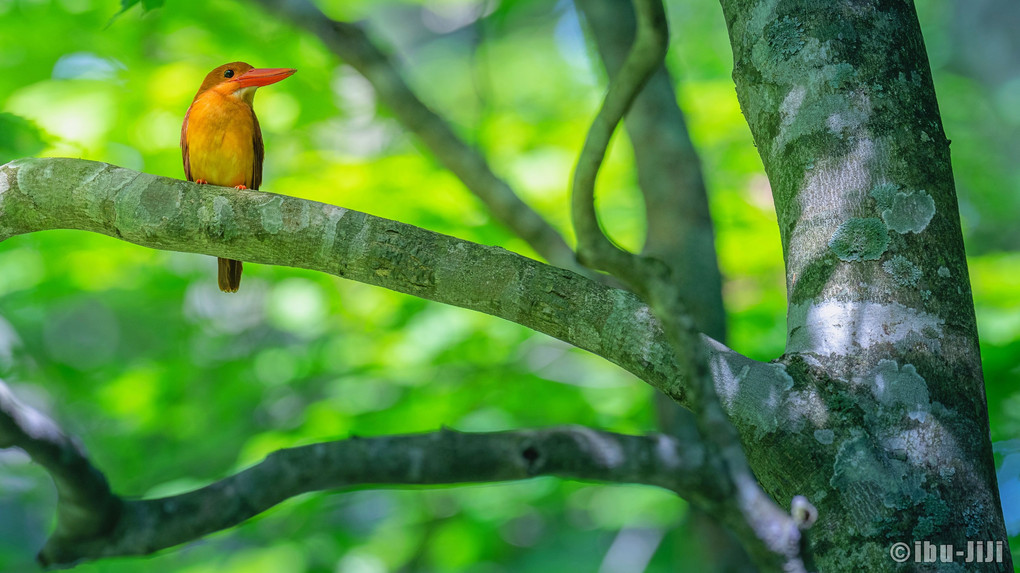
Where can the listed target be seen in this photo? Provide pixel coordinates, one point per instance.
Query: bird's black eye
(228, 74)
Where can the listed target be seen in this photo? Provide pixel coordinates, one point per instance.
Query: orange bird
(221, 140)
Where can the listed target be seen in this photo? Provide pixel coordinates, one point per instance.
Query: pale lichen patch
(806, 405)
(790, 106)
(824, 436)
(296, 215)
(764, 12)
(665, 451)
(728, 385)
(155, 205)
(910, 212)
(832, 112)
(944, 272)
(830, 195)
(223, 221)
(5, 230)
(272, 215)
(869, 480)
(896, 387)
(333, 216)
(758, 397)
(883, 194)
(140, 208)
(851, 118)
(643, 315)
(4, 185)
(609, 452)
(903, 272)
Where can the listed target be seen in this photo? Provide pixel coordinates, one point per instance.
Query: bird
(221, 142)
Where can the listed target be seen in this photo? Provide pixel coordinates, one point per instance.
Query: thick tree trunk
(892, 443)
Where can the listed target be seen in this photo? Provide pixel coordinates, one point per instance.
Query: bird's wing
(184, 146)
(260, 155)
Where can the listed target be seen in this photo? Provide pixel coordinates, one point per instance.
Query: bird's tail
(229, 274)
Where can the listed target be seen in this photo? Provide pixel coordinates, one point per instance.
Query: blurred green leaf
(19, 137)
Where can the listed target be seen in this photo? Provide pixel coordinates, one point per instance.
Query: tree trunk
(891, 442)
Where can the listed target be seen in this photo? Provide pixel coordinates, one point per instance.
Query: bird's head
(240, 80)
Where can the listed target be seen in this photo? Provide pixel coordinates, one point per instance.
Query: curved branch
(594, 248)
(668, 168)
(679, 227)
(266, 228)
(350, 43)
(444, 457)
(95, 523)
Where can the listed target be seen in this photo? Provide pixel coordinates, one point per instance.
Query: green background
(171, 384)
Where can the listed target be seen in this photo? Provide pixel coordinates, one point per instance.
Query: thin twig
(679, 230)
(594, 248)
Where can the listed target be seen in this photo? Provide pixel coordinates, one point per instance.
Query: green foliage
(147, 5)
(172, 384)
(19, 138)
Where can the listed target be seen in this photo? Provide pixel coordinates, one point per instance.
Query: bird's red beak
(262, 76)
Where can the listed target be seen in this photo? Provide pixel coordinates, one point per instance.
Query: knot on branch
(532, 457)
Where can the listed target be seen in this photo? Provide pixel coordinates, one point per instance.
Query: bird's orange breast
(221, 138)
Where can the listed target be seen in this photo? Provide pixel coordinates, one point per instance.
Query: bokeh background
(171, 384)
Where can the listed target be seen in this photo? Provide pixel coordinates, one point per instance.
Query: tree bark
(882, 344)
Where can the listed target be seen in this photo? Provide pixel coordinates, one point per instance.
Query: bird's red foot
(239, 187)
(201, 181)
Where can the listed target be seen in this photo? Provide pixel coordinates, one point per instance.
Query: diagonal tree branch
(771, 535)
(260, 227)
(95, 523)
(54, 193)
(349, 42)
